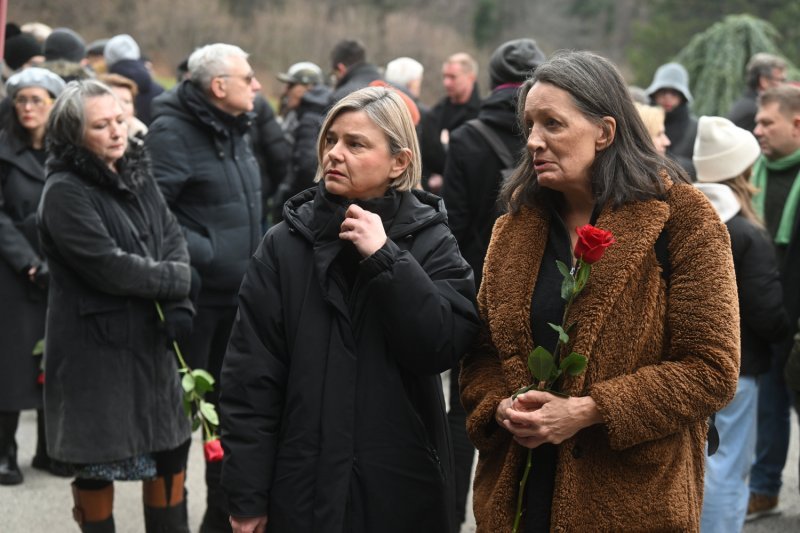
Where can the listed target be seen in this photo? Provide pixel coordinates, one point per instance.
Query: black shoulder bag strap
(494, 142)
(662, 255)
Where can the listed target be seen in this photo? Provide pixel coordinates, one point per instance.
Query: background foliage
(638, 36)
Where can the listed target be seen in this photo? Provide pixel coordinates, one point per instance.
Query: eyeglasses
(247, 78)
(35, 101)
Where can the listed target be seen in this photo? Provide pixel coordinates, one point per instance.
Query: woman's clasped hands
(537, 417)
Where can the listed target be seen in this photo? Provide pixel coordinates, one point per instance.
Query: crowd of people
(326, 261)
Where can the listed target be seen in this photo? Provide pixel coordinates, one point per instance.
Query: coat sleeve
(698, 372)
(760, 290)
(456, 190)
(428, 309)
(77, 231)
(14, 246)
(253, 387)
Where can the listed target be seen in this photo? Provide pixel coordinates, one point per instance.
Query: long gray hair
(628, 169)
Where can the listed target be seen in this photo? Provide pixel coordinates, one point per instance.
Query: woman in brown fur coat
(625, 450)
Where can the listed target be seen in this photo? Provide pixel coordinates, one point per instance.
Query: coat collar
(19, 154)
(518, 251)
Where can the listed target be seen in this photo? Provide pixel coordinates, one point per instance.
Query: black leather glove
(197, 283)
(177, 324)
(42, 276)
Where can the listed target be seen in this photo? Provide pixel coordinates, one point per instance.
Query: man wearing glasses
(207, 172)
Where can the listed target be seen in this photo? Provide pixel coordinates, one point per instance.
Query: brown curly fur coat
(655, 370)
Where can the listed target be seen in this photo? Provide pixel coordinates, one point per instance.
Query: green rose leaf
(203, 381)
(574, 364)
(564, 269)
(187, 407)
(38, 348)
(567, 286)
(209, 412)
(540, 363)
(196, 422)
(187, 383)
(562, 335)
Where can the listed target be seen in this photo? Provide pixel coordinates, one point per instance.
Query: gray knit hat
(35, 77)
(121, 47)
(514, 61)
(64, 43)
(671, 76)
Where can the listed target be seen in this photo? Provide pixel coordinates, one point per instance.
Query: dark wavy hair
(629, 169)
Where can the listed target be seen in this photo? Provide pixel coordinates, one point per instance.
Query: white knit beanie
(120, 47)
(722, 150)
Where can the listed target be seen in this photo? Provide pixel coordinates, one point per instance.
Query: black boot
(42, 461)
(10, 473)
(215, 519)
(164, 501)
(166, 519)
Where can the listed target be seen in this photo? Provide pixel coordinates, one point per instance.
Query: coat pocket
(105, 322)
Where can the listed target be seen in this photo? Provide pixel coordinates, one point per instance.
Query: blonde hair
(653, 118)
(744, 191)
(390, 113)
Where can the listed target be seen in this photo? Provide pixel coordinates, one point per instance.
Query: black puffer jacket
(112, 389)
(269, 146)
(205, 168)
(472, 175)
(332, 407)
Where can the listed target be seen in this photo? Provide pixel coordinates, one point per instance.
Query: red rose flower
(40, 378)
(592, 243)
(213, 450)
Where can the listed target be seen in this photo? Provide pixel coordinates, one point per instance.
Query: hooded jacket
(473, 175)
(357, 77)
(332, 408)
(659, 363)
(112, 390)
(206, 170)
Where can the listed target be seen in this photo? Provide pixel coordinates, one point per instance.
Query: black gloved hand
(177, 324)
(197, 283)
(42, 276)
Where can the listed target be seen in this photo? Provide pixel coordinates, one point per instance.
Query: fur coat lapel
(510, 281)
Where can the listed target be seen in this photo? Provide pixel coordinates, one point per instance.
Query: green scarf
(759, 180)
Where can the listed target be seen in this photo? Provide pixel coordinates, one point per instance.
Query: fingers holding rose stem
(364, 229)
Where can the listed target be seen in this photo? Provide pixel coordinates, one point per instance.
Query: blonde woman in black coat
(23, 271)
(332, 408)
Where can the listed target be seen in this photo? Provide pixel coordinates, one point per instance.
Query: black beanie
(63, 43)
(20, 49)
(514, 61)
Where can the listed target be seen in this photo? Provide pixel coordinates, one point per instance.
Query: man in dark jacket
(350, 68)
(210, 179)
(763, 71)
(472, 178)
(460, 104)
(306, 100)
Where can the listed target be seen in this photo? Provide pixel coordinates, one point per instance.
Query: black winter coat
(112, 389)
(24, 303)
(332, 408)
(269, 146)
(763, 318)
(206, 170)
(147, 88)
(743, 111)
(681, 129)
(445, 115)
(357, 77)
(472, 176)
